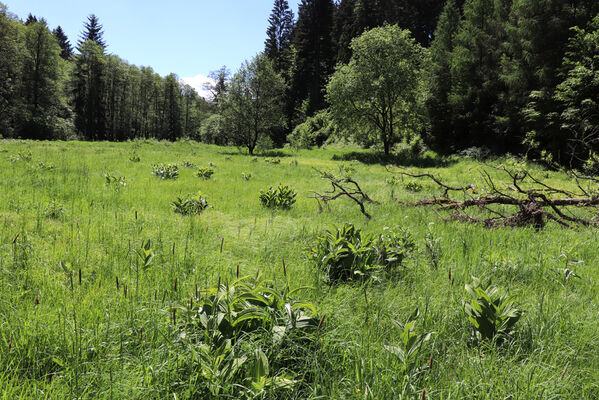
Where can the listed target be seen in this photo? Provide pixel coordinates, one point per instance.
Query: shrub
(393, 180)
(413, 186)
(245, 329)
(188, 164)
(491, 313)
(192, 204)
(205, 173)
(349, 254)
(246, 176)
(272, 160)
(116, 183)
(134, 157)
(21, 156)
(315, 131)
(54, 210)
(411, 343)
(166, 171)
(281, 197)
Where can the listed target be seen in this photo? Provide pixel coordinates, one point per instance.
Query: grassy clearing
(66, 331)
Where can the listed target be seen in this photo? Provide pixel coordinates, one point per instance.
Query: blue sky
(187, 37)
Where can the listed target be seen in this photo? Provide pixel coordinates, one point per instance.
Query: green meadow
(81, 317)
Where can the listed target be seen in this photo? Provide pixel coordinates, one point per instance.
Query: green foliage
(134, 157)
(165, 171)
(193, 204)
(246, 176)
(21, 156)
(413, 186)
(145, 255)
(253, 105)
(213, 130)
(205, 173)
(491, 313)
(272, 160)
(315, 131)
(242, 326)
(410, 345)
(282, 197)
(115, 182)
(54, 210)
(188, 164)
(349, 254)
(377, 95)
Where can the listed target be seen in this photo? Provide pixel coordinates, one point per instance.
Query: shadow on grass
(426, 160)
(265, 153)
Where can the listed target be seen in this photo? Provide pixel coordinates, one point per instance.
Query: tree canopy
(377, 93)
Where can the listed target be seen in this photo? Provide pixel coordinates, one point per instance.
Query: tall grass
(69, 330)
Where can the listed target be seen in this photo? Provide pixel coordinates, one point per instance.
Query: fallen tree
(342, 186)
(525, 201)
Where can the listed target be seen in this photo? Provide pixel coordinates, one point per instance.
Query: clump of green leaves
(43, 166)
(21, 156)
(246, 176)
(393, 180)
(205, 173)
(193, 204)
(115, 182)
(244, 329)
(348, 253)
(413, 186)
(410, 345)
(165, 171)
(282, 197)
(492, 313)
(188, 164)
(54, 210)
(134, 157)
(272, 160)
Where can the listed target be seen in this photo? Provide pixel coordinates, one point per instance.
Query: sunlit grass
(62, 338)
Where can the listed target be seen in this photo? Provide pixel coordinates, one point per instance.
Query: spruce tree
(342, 29)
(92, 31)
(30, 19)
(476, 84)
(66, 49)
(279, 35)
(440, 80)
(315, 57)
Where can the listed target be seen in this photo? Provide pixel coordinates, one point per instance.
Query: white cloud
(197, 82)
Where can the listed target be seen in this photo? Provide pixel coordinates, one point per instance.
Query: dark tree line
(510, 75)
(49, 91)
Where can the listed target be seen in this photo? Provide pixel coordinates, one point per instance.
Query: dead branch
(342, 186)
(534, 200)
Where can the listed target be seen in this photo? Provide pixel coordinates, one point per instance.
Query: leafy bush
(21, 156)
(54, 210)
(192, 204)
(410, 345)
(491, 313)
(246, 176)
(244, 329)
(281, 197)
(116, 183)
(45, 166)
(134, 157)
(272, 160)
(205, 173)
(213, 131)
(166, 171)
(393, 180)
(188, 164)
(315, 131)
(349, 254)
(413, 186)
